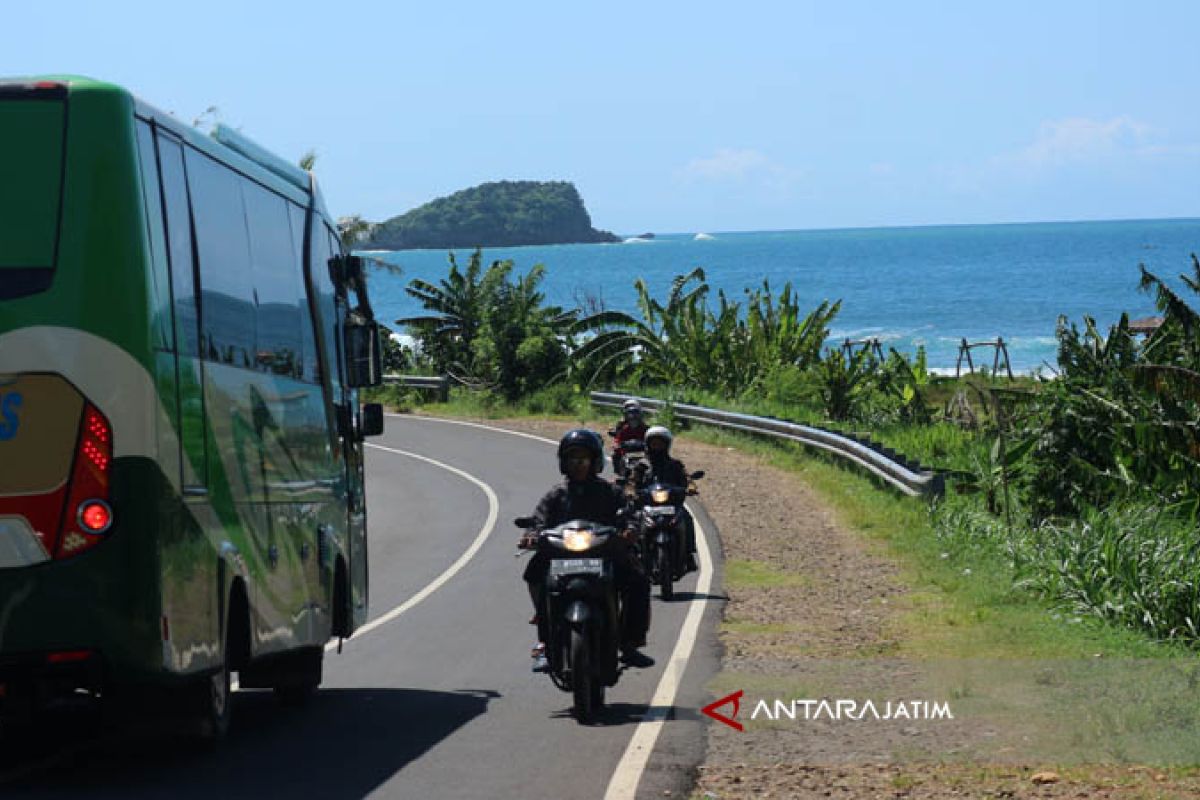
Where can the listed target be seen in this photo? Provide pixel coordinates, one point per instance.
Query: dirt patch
(813, 613)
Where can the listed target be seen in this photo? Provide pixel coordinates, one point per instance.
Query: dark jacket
(595, 500)
(666, 469)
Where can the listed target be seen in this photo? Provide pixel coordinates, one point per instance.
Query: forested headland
(497, 214)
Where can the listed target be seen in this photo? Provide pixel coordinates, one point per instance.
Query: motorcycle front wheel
(587, 691)
(666, 574)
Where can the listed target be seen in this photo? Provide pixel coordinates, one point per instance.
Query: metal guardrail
(438, 383)
(907, 476)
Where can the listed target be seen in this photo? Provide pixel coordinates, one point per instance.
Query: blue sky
(679, 117)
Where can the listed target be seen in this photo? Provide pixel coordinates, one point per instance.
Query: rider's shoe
(632, 657)
(540, 664)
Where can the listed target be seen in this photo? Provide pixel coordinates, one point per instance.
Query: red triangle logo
(736, 699)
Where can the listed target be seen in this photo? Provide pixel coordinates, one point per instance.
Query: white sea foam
(637, 240)
(703, 237)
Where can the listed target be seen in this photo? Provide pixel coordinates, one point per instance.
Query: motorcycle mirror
(697, 475)
(525, 522)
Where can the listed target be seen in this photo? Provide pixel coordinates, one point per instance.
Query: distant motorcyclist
(660, 466)
(585, 495)
(632, 427)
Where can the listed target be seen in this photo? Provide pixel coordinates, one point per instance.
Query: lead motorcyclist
(585, 495)
(661, 466)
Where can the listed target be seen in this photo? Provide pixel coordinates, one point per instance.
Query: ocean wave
(703, 237)
(636, 240)
(882, 334)
(1032, 341)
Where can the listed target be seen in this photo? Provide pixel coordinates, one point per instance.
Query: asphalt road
(435, 697)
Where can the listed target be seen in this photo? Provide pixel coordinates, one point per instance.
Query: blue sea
(908, 287)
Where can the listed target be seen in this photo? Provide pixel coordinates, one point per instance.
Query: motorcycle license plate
(660, 511)
(577, 566)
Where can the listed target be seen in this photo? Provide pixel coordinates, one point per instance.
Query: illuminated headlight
(661, 495)
(578, 539)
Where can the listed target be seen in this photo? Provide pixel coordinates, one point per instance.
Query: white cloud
(745, 171)
(727, 164)
(1082, 140)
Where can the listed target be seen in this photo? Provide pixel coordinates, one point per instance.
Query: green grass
(962, 603)
(557, 401)
(745, 574)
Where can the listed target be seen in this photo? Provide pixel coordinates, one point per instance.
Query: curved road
(434, 697)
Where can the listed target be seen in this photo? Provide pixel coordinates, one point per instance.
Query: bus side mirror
(363, 355)
(372, 419)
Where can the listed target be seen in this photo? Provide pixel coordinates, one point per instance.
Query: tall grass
(1135, 566)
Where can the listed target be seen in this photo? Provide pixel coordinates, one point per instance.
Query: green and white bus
(182, 338)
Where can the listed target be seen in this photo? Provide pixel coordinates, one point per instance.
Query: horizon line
(714, 231)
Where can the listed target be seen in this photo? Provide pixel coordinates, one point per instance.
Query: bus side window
(326, 304)
(192, 425)
(179, 239)
(164, 336)
(311, 366)
(276, 281)
(223, 247)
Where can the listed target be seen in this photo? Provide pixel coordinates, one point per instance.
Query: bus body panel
(220, 472)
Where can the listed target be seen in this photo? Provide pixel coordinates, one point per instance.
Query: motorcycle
(581, 610)
(627, 455)
(662, 519)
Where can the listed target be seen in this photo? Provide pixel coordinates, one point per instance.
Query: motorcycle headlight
(580, 539)
(660, 495)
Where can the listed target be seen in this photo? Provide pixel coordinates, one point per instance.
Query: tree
(456, 306)
(662, 347)
(490, 330)
(354, 229)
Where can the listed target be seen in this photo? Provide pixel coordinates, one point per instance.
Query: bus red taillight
(68, 656)
(88, 497)
(95, 516)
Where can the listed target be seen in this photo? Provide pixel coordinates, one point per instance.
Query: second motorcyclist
(661, 466)
(585, 495)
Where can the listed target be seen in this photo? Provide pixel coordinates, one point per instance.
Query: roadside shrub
(559, 399)
(1135, 565)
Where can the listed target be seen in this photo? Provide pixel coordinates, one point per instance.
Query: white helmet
(631, 405)
(659, 432)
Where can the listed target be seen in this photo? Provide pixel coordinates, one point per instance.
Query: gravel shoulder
(814, 611)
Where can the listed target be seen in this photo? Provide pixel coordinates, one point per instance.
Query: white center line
(488, 526)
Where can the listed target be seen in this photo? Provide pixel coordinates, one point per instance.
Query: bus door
(352, 449)
(355, 471)
(332, 308)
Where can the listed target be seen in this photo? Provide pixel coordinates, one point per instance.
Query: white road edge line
(629, 769)
(453, 569)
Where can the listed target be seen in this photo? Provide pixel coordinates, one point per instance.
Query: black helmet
(588, 440)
